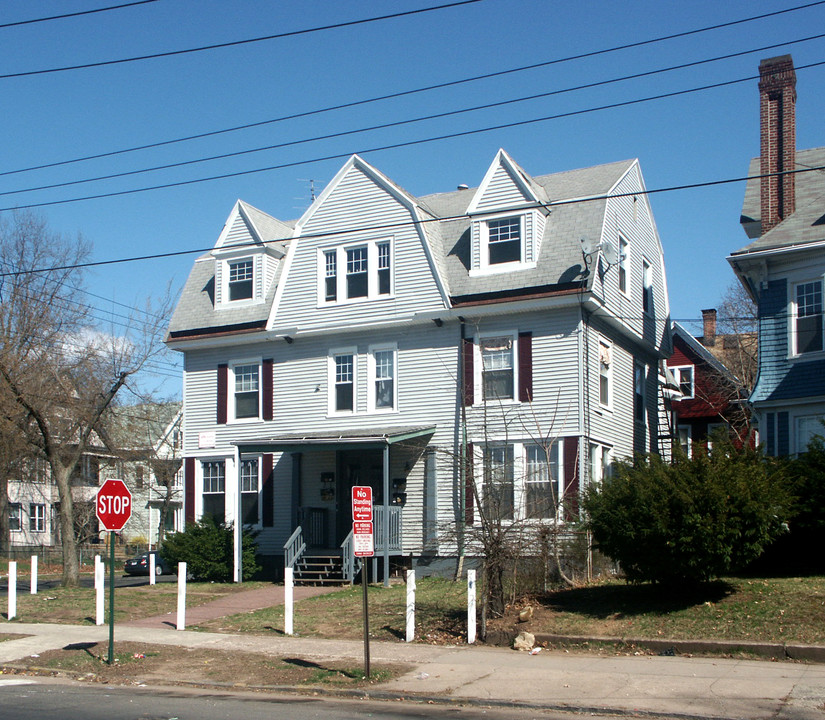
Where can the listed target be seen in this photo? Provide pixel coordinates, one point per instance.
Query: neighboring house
(709, 396)
(783, 268)
(383, 337)
(129, 448)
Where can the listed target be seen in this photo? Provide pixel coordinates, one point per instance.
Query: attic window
(240, 280)
(504, 240)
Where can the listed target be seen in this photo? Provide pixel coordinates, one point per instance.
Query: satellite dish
(611, 254)
(587, 245)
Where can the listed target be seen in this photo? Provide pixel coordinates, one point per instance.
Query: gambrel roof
(567, 207)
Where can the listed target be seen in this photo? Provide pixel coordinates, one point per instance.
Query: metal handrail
(294, 548)
(348, 558)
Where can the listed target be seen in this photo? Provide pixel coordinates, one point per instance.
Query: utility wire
(404, 93)
(18, 23)
(404, 144)
(409, 121)
(235, 43)
(422, 221)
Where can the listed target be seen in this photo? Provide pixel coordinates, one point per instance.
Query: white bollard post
(12, 590)
(99, 591)
(181, 596)
(289, 601)
(151, 568)
(471, 607)
(410, 605)
(34, 575)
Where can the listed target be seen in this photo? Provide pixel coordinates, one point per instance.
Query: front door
(356, 467)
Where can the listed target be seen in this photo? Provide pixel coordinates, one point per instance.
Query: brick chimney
(777, 124)
(709, 327)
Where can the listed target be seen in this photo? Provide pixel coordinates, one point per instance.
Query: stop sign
(113, 505)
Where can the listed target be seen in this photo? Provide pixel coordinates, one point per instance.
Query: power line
(74, 14)
(404, 144)
(409, 121)
(422, 221)
(235, 43)
(404, 93)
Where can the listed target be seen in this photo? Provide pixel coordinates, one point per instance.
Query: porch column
(237, 525)
(386, 529)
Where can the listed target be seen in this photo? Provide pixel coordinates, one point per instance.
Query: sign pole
(366, 621)
(111, 659)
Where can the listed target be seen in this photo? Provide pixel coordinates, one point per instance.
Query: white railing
(348, 558)
(394, 519)
(294, 548)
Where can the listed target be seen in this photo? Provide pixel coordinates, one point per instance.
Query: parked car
(140, 565)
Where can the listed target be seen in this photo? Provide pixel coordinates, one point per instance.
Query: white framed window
(605, 373)
(805, 427)
(806, 310)
(240, 282)
(250, 485)
(684, 375)
(37, 517)
(505, 240)
(639, 394)
(15, 517)
(624, 263)
(521, 480)
(600, 463)
(213, 476)
(342, 381)
(685, 434)
(355, 272)
(647, 288)
(382, 379)
(541, 481)
(497, 368)
(246, 396)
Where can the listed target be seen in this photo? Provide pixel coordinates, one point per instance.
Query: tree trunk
(71, 566)
(164, 510)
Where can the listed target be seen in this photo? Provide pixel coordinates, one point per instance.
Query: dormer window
(358, 272)
(240, 280)
(504, 240)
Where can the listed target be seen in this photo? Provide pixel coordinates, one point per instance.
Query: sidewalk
(674, 686)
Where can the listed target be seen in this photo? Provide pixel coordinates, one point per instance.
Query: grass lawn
(751, 609)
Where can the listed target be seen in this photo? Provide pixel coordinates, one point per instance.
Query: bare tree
(55, 367)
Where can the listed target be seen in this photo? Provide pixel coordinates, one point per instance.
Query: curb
(376, 695)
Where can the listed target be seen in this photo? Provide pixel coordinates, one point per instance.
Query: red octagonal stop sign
(113, 505)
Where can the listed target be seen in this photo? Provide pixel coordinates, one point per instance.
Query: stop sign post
(113, 507)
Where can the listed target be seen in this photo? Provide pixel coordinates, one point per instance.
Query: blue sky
(693, 138)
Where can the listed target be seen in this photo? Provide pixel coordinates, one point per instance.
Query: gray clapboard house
(503, 341)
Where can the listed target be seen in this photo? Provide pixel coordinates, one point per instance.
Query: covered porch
(325, 466)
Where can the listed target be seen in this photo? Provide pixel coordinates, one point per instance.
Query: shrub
(697, 519)
(207, 548)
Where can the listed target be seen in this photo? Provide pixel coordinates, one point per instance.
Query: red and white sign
(362, 528)
(361, 503)
(113, 505)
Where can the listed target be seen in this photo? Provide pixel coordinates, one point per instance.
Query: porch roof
(367, 438)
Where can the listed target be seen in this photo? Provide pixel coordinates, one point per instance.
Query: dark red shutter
(570, 496)
(469, 496)
(469, 377)
(267, 492)
(189, 490)
(525, 366)
(223, 386)
(267, 388)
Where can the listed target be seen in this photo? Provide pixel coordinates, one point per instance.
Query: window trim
(374, 257)
(16, 515)
(640, 393)
(794, 319)
(607, 374)
(257, 491)
(230, 283)
(677, 371)
(623, 275)
(231, 400)
(478, 365)
(689, 436)
(481, 232)
(647, 287)
(203, 462)
(37, 517)
(332, 409)
(372, 378)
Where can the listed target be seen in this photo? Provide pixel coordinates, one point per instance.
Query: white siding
(501, 193)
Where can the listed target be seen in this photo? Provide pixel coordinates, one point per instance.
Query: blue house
(783, 268)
